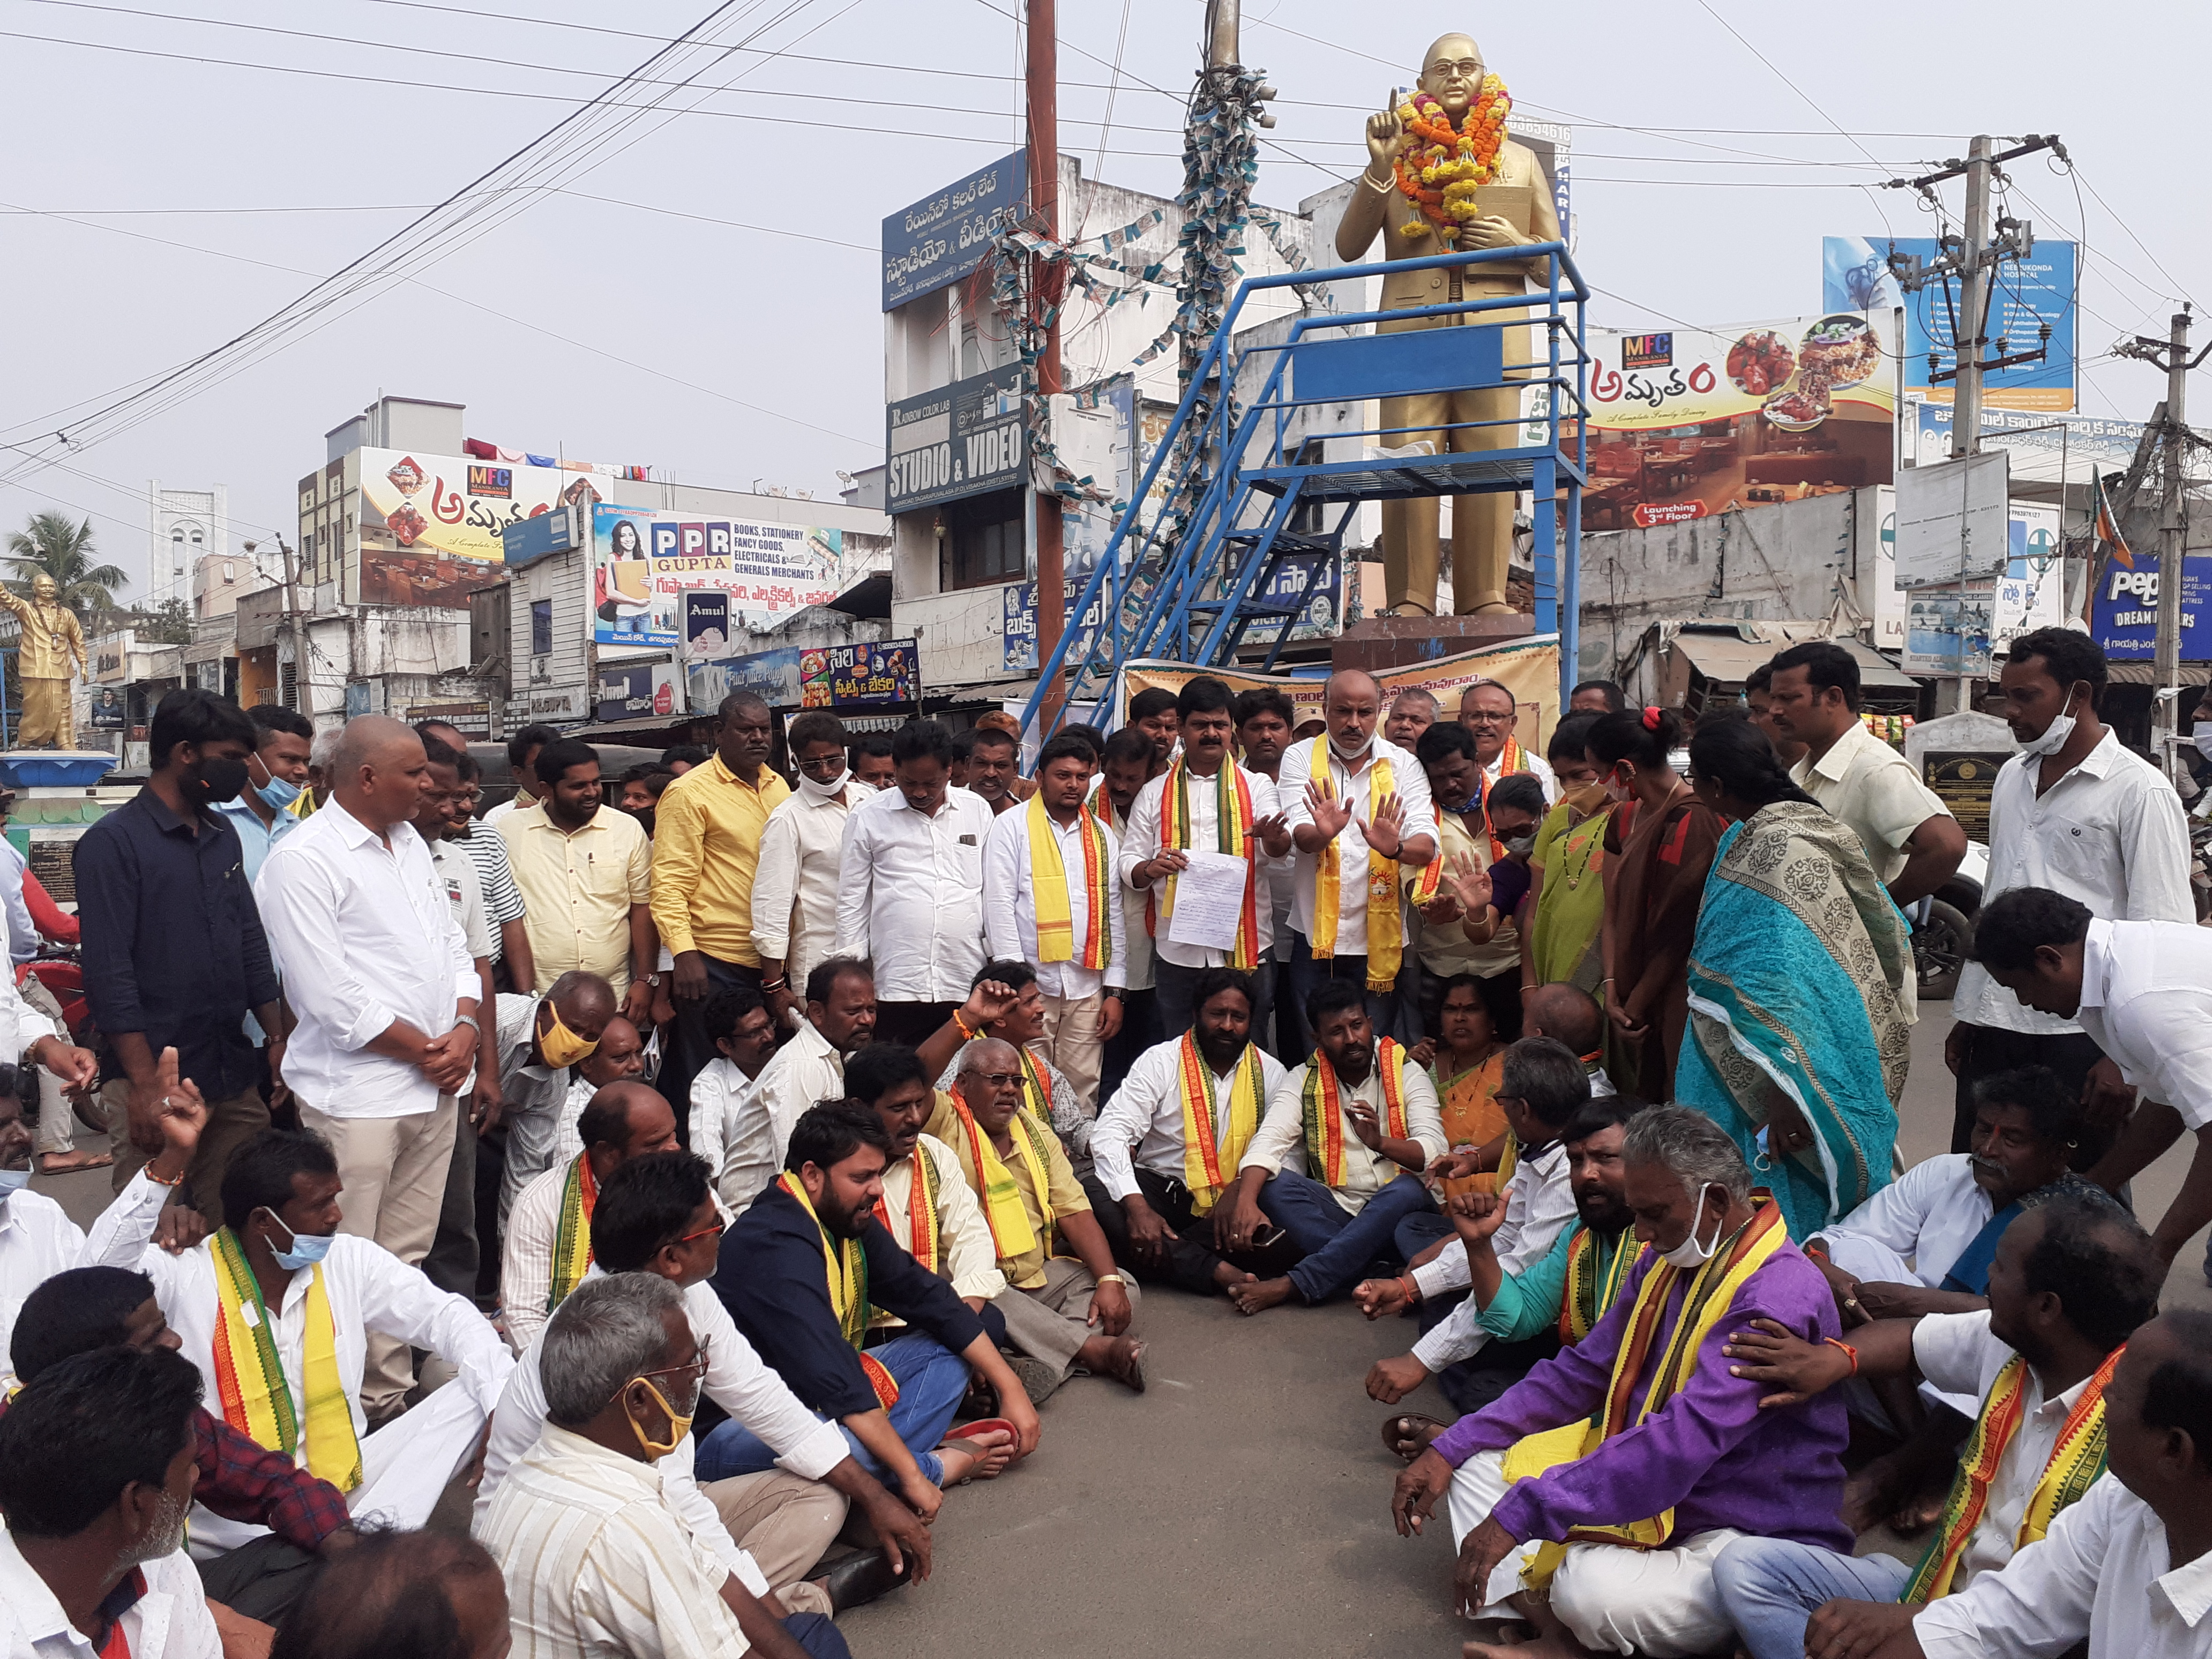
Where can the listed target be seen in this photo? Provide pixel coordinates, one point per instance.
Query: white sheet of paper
(1209, 901)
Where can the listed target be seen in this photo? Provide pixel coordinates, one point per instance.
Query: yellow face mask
(561, 1047)
(678, 1426)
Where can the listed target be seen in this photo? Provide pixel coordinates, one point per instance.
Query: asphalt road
(1239, 1507)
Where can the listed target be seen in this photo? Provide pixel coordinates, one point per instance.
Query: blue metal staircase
(1225, 571)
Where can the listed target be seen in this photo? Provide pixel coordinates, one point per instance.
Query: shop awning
(1729, 658)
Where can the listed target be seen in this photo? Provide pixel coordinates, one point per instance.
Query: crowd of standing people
(705, 1170)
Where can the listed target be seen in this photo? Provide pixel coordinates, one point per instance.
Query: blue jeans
(1770, 1587)
(817, 1636)
(1337, 1247)
(931, 1381)
(1307, 975)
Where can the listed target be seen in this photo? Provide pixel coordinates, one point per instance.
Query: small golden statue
(1441, 175)
(50, 638)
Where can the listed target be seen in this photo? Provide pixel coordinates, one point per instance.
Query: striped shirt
(503, 899)
(595, 1560)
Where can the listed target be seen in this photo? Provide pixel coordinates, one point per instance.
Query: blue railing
(1230, 455)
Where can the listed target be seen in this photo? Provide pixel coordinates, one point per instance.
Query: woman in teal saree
(1802, 984)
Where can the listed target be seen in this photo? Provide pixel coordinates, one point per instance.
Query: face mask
(1588, 799)
(279, 793)
(1349, 753)
(307, 1248)
(818, 792)
(644, 816)
(211, 780)
(678, 1425)
(12, 1182)
(561, 1047)
(1521, 846)
(1691, 1254)
(2053, 738)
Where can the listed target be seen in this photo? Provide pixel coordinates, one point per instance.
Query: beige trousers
(394, 1171)
(231, 1122)
(784, 1522)
(1051, 1322)
(1071, 1041)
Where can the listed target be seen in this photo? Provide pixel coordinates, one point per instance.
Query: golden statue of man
(50, 637)
(1452, 73)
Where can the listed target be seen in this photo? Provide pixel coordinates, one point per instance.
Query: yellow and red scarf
(572, 1237)
(1012, 1233)
(1233, 833)
(250, 1384)
(1322, 1108)
(1209, 1157)
(1592, 1281)
(1386, 934)
(2077, 1459)
(1055, 925)
(921, 1214)
(1712, 1291)
(847, 1265)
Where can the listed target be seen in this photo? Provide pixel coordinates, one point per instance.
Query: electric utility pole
(1043, 51)
(2171, 354)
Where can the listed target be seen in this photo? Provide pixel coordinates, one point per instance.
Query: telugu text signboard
(2124, 610)
(2030, 293)
(961, 439)
(643, 562)
(942, 238)
(871, 677)
(430, 525)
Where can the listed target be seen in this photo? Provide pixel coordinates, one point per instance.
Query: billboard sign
(942, 238)
(879, 675)
(431, 525)
(1951, 521)
(965, 438)
(2029, 594)
(643, 562)
(636, 691)
(2030, 293)
(2041, 446)
(2124, 610)
(706, 622)
(1687, 421)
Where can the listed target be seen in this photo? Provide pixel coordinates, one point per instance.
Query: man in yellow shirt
(706, 847)
(586, 875)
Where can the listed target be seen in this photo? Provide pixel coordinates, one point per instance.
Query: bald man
(1358, 808)
(1568, 1014)
(384, 992)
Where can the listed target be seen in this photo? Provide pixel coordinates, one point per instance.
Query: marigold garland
(1441, 173)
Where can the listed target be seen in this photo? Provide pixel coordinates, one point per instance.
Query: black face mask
(212, 779)
(644, 816)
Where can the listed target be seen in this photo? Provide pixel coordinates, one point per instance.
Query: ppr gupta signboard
(965, 438)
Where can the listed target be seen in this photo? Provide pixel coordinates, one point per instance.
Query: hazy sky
(645, 310)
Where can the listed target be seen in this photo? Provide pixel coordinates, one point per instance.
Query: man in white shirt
(738, 1024)
(656, 1214)
(1159, 1194)
(624, 1120)
(1910, 837)
(2076, 812)
(384, 994)
(2142, 991)
(1125, 769)
(1051, 898)
(539, 1038)
(1487, 710)
(1192, 808)
(96, 1471)
(2129, 1569)
(1540, 1089)
(596, 1554)
(317, 1297)
(910, 886)
(1358, 808)
(1363, 1123)
(2071, 1284)
(1264, 718)
(795, 884)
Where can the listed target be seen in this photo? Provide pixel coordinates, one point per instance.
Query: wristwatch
(469, 1020)
(652, 981)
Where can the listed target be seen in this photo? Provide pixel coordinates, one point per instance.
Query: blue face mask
(279, 793)
(13, 1181)
(307, 1248)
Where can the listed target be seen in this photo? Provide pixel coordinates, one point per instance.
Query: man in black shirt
(803, 1270)
(173, 951)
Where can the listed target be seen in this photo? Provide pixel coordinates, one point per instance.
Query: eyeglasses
(828, 764)
(696, 1371)
(714, 1231)
(1482, 717)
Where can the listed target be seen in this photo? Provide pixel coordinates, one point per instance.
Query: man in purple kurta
(1726, 1468)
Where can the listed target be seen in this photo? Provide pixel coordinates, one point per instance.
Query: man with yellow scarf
(1358, 808)
(2071, 1282)
(1627, 1524)
(276, 1308)
(1364, 1120)
(1066, 1313)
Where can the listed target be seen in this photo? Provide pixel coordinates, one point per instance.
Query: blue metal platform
(1206, 583)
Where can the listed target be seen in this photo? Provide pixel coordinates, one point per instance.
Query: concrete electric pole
(1042, 40)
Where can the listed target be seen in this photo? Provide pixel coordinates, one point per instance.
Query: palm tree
(50, 545)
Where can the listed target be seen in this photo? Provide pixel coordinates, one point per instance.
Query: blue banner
(1855, 275)
(942, 238)
(2123, 611)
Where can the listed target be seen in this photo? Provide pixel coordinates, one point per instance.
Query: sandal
(981, 1426)
(1409, 1425)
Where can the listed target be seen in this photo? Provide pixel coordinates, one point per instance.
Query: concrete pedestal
(1384, 643)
